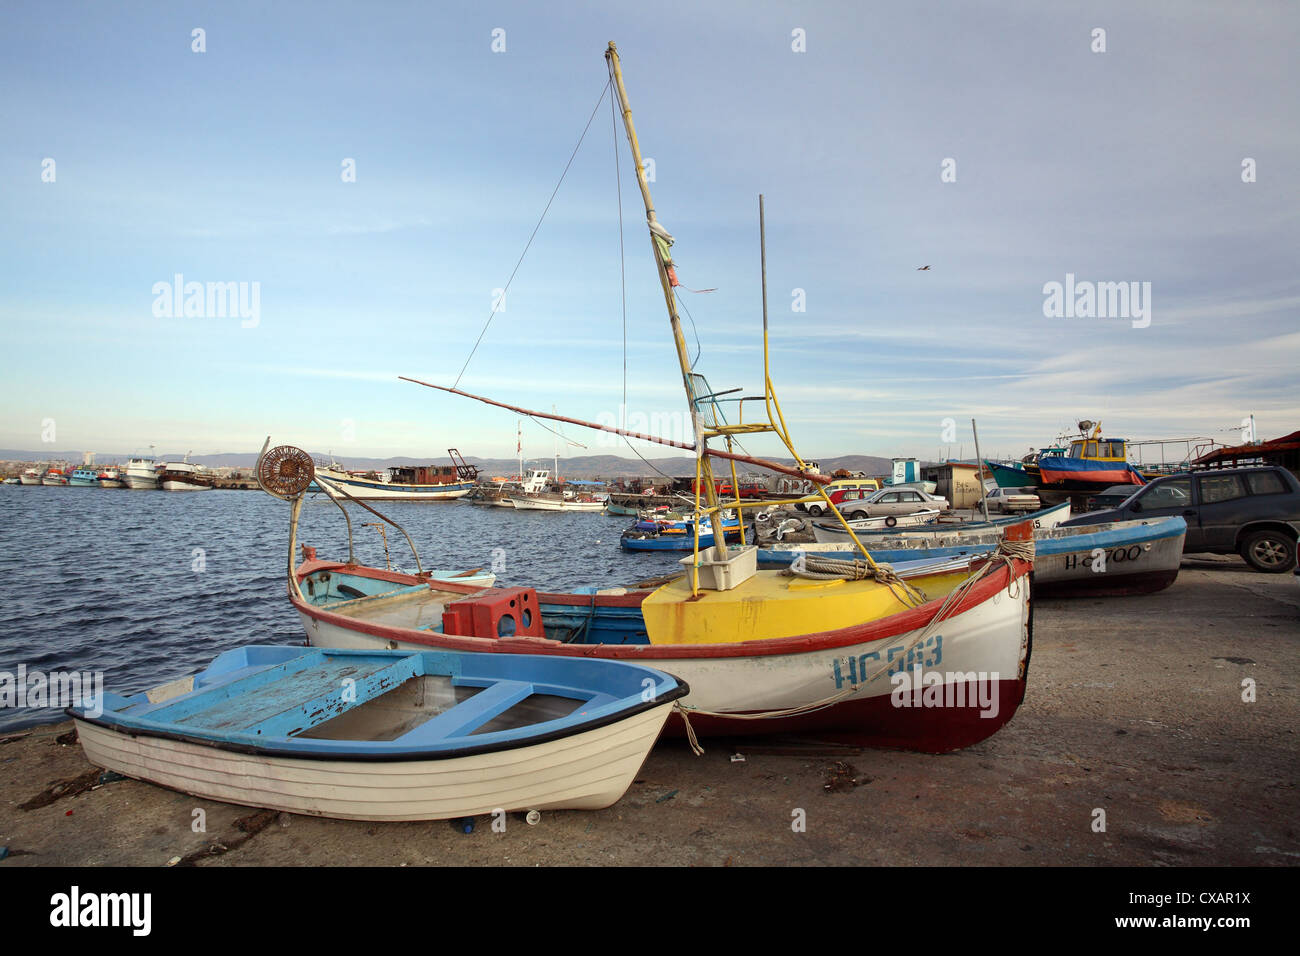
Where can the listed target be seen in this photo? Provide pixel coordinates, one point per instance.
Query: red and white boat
(934, 661)
(842, 680)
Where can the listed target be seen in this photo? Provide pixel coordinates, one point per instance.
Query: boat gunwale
(634, 707)
(880, 629)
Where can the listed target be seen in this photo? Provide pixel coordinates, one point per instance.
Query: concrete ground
(1135, 708)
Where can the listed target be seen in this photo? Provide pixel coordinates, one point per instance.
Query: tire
(1269, 551)
(856, 515)
(891, 521)
(815, 510)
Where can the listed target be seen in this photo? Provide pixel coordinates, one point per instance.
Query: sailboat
(933, 662)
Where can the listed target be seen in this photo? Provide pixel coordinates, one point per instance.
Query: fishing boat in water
(110, 477)
(183, 475)
(405, 482)
(932, 662)
(30, 476)
(387, 735)
(54, 476)
(142, 473)
(84, 478)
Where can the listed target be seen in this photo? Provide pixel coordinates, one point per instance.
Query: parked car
(854, 504)
(816, 508)
(1112, 497)
(1254, 512)
(1009, 499)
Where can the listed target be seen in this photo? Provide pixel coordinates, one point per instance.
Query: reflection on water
(149, 585)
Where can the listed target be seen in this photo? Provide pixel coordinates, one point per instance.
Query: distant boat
(142, 474)
(84, 478)
(388, 735)
(184, 476)
(30, 477)
(1093, 463)
(13, 481)
(54, 476)
(548, 503)
(110, 478)
(674, 536)
(404, 482)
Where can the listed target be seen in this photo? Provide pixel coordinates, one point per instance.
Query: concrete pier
(1135, 708)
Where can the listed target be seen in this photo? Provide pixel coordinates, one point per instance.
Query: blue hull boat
(1114, 558)
(388, 735)
(633, 540)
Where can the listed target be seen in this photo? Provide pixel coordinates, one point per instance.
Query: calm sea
(146, 586)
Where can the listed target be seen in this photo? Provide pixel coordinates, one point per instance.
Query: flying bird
(923, 269)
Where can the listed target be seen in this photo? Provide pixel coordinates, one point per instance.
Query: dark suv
(1253, 512)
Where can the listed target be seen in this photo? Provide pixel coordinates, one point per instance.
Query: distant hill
(586, 466)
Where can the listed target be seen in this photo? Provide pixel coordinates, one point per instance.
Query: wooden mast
(704, 468)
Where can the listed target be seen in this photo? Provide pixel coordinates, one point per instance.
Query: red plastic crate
(497, 612)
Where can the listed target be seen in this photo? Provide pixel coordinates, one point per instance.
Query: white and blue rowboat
(1040, 520)
(830, 532)
(1114, 558)
(388, 735)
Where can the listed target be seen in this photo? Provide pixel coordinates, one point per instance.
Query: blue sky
(224, 166)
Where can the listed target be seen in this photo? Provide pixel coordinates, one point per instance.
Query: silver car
(888, 501)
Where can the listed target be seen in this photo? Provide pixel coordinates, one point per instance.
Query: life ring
(890, 521)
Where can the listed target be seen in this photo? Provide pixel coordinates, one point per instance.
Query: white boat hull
(30, 479)
(587, 771)
(989, 639)
(823, 531)
(364, 489)
(548, 504)
(181, 485)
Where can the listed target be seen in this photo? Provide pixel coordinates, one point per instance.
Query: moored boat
(184, 475)
(110, 478)
(406, 482)
(764, 651)
(141, 473)
(1112, 558)
(1049, 517)
(387, 735)
(84, 478)
(30, 476)
(54, 476)
(826, 531)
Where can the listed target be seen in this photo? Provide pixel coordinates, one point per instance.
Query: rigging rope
(506, 288)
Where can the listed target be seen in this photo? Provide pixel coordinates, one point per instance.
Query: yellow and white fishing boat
(932, 662)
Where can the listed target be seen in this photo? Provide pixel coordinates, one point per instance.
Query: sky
(1006, 144)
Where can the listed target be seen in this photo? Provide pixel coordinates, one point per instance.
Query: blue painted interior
(262, 696)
